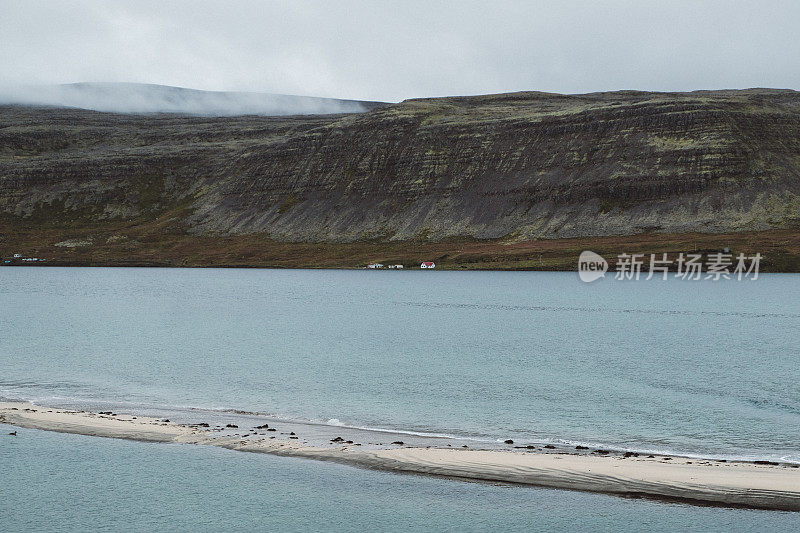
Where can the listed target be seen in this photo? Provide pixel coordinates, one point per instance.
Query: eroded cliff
(513, 167)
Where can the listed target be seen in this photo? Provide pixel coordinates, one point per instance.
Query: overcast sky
(401, 49)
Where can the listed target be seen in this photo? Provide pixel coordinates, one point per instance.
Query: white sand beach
(761, 486)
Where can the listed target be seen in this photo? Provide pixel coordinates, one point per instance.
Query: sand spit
(741, 484)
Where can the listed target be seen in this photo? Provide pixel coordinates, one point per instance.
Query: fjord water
(691, 367)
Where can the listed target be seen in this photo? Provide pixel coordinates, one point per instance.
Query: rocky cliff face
(514, 166)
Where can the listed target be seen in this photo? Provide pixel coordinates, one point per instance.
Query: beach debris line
(759, 484)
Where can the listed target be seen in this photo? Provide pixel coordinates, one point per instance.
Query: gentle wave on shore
(695, 369)
(322, 430)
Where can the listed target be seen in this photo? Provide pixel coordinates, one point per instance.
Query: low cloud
(147, 98)
(390, 51)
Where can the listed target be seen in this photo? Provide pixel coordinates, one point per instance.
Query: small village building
(428, 264)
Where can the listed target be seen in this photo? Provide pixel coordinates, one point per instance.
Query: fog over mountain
(507, 173)
(392, 51)
(149, 98)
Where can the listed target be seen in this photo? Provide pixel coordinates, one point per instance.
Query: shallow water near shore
(695, 368)
(64, 482)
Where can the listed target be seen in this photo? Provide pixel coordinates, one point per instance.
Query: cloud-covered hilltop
(506, 168)
(149, 98)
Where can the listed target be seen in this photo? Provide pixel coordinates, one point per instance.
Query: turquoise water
(705, 368)
(59, 482)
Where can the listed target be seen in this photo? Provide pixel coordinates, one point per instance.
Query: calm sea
(707, 368)
(698, 368)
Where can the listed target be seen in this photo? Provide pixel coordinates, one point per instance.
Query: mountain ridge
(507, 168)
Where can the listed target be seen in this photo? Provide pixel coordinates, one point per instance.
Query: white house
(428, 264)
(375, 265)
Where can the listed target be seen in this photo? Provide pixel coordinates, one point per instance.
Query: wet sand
(709, 482)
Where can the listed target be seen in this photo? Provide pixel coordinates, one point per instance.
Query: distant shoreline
(764, 485)
(610, 274)
(106, 247)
